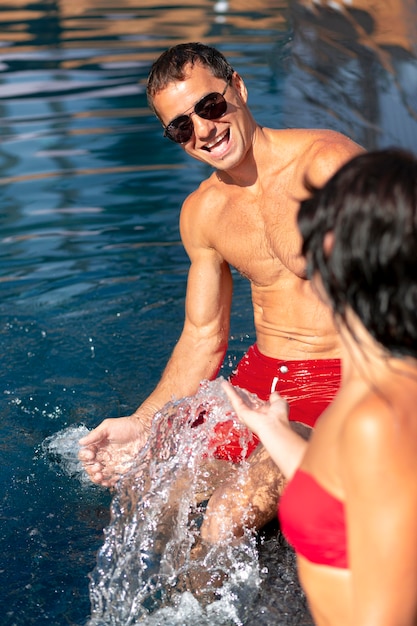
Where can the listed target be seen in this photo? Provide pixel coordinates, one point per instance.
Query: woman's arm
(270, 423)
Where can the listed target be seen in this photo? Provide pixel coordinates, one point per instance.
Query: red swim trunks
(308, 386)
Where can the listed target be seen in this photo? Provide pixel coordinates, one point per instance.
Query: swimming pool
(93, 273)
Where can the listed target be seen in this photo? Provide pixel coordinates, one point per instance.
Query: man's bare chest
(257, 240)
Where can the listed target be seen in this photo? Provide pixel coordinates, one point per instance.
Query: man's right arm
(197, 355)
(202, 345)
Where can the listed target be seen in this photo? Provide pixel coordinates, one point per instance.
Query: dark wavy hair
(370, 206)
(171, 66)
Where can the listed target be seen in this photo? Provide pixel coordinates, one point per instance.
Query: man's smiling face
(218, 142)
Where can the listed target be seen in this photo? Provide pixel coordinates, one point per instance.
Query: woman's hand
(270, 423)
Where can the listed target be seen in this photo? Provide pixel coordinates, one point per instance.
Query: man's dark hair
(171, 66)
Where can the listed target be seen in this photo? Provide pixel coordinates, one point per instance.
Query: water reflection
(353, 68)
(66, 24)
(92, 272)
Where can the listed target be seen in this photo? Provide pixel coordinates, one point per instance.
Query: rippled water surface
(92, 272)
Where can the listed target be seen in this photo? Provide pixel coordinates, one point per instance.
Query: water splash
(61, 450)
(153, 568)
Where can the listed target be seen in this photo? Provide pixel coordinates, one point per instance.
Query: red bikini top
(313, 521)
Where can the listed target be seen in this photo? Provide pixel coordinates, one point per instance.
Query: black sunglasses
(210, 107)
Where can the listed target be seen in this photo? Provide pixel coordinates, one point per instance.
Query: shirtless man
(243, 215)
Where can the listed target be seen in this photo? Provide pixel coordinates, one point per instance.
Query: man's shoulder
(209, 195)
(201, 209)
(332, 140)
(306, 138)
(321, 153)
(302, 145)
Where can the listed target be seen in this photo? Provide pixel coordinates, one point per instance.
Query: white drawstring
(274, 383)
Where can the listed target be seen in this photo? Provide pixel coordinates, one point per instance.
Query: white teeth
(209, 146)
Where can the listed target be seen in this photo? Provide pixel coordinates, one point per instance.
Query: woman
(350, 506)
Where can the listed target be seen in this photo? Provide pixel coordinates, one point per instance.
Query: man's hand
(108, 451)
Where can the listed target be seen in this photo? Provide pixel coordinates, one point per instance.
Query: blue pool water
(92, 272)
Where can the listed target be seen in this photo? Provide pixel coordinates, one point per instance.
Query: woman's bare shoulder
(381, 428)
